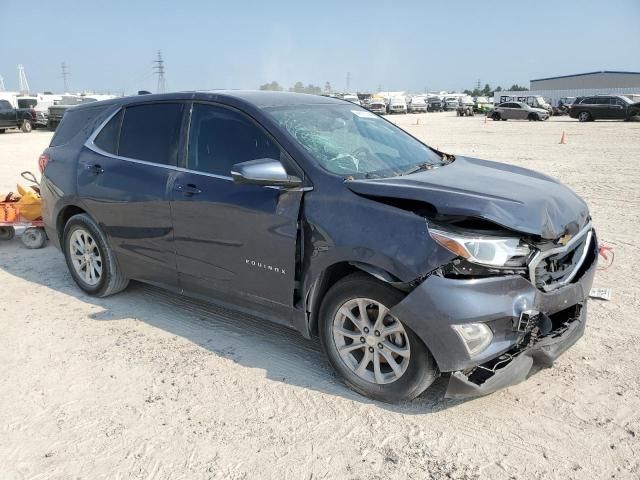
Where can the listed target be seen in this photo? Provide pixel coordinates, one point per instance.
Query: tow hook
(530, 319)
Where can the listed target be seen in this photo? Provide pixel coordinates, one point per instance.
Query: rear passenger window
(219, 138)
(107, 139)
(151, 132)
(75, 121)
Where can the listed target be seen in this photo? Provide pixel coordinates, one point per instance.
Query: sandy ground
(147, 385)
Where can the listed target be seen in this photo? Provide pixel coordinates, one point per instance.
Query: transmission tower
(478, 85)
(1, 84)
(65, 75)
(348, 81)
(158, 69)
(22, 80)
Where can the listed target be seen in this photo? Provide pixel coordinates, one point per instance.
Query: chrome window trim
(90, 144)
(539, 256)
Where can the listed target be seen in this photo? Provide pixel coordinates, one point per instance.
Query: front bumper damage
(517, 350)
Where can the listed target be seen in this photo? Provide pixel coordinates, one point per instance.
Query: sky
(109, 46)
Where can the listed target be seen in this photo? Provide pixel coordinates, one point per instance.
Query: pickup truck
(22, 118)
(56, 112)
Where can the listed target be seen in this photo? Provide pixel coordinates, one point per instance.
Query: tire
(634, 116)
(7, 233)
(495, 117)
(2, 130)
(34, 238)
(584, 117)
(107, 276)
(26, 126)
(416, 365)
(533, 117)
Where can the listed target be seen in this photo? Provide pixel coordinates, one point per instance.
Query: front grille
(557, 266)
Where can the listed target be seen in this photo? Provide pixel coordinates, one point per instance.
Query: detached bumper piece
(546, 338)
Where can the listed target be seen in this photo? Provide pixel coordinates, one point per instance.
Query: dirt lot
(147, 385)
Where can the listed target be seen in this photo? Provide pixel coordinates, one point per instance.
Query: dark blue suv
(407, 262)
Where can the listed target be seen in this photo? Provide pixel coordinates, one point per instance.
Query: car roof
(258, 98)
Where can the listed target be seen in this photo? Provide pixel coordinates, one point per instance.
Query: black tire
(634, 115)
(421, 371)
(2, 130)
(584, 117)
(26, 126)
(7, 233)
(495, 117)
(111, 280)
(533, 117)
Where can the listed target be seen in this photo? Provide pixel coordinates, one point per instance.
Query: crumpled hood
(513, 197)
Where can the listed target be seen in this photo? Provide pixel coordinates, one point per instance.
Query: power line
(22, 80)
(65, 75)
(158, 69)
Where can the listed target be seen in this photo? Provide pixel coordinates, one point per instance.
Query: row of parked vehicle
(465, 105)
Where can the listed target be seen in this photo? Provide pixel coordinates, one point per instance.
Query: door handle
(95, 169)
(187, 190)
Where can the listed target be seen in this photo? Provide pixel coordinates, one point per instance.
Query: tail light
(43, 160)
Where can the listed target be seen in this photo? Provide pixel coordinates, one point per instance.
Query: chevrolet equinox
(408, 263)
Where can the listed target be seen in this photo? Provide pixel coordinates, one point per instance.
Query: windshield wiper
(422, 166)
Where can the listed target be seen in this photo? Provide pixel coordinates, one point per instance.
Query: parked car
(56, 111)
(10, 117)
(604, 107)
(564, 105)
(482, 105)
(517, 111)
(406, 262)
(397, 105)
(417, 104)
(352, 99)
(434, 104)
(465, 107)
(535, 101)
(450, 103)
(377, 105)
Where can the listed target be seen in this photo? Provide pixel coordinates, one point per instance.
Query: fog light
(475, 336)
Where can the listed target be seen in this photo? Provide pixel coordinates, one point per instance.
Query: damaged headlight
(484, 250)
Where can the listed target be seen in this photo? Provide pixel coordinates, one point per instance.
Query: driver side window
(220, 137)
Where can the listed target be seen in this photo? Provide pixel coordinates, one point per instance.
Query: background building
(582, 84)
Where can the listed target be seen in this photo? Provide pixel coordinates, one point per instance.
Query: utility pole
(158, 69)
(348, 81)
(22, 80)
(478, 85)
(1, 84)
(65, 75)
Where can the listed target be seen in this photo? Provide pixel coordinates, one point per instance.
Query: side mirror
(264, 171)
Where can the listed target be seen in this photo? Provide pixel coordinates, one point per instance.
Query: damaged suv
(408, 263)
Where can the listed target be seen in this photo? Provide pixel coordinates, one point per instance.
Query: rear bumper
(438, 303)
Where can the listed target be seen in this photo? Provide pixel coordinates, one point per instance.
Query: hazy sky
(110, 45)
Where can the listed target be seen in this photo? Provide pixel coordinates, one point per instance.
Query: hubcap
(85, 257)
(370, 341)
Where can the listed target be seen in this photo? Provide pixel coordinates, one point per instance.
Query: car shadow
(282, 353)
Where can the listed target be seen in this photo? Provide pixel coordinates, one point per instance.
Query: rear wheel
(495, 117)
(90, 259)
(7, 233)
(374, 352)
(26, 126)
(584, 116)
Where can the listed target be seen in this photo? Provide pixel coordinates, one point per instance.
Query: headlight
(475, 336)
(484, 250)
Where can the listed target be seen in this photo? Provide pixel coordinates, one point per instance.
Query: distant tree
(498, 89)
(327, 87)
(298, 87)
(486, 91)
(275, 86)
(467, 92)
(517, 88)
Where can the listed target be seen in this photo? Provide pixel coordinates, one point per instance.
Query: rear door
(232, 239)
(122, 180)
(618, 108)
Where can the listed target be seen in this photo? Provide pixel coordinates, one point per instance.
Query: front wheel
(374, 352)
(495, 117)
(90, 259)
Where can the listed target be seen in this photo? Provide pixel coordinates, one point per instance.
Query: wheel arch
(334, 273)
(64, 215)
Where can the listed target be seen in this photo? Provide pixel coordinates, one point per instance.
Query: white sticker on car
(363, 114)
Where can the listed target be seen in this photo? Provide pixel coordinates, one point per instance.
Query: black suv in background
(313, 212)
(604, 107)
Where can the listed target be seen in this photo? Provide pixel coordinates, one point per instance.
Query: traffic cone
(418, 121)
(563, 139)
(485, 119)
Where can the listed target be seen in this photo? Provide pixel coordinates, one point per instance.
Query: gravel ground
(147, 385)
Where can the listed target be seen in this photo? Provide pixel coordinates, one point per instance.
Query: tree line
(298, 87)
(487, 91)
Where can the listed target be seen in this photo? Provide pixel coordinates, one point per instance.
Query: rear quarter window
(107, 139)
(74, 122)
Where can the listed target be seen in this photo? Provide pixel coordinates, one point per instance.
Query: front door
(7, 114)
(232, 239)
(122, 179)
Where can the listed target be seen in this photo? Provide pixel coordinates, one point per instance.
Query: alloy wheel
(85, 257)
(372, 343)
